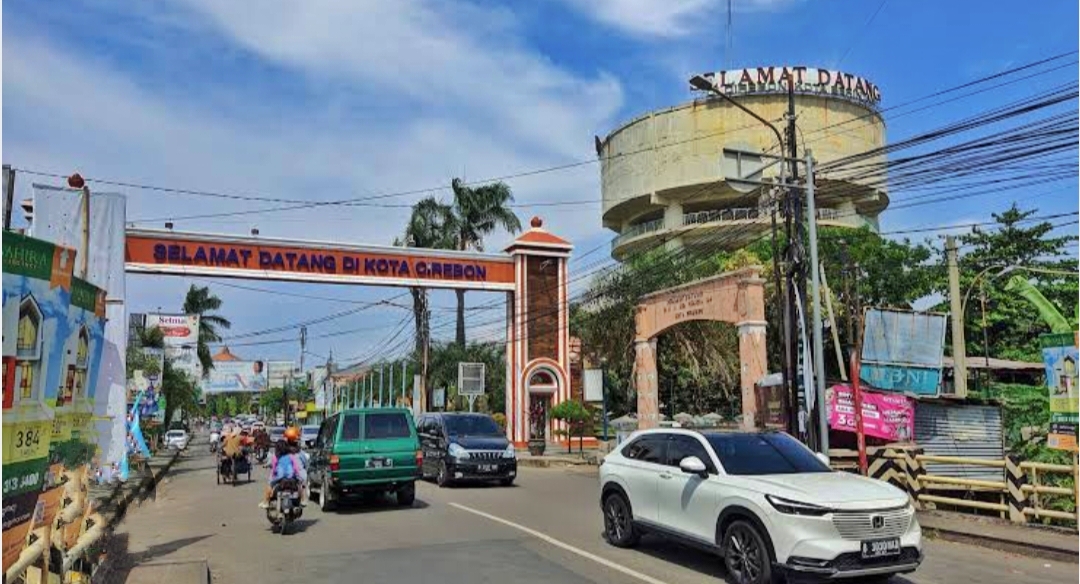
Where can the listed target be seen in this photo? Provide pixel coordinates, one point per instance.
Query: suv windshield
(472, 426)
(764, 454)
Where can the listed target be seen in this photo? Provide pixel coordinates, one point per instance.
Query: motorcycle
(261, 453)
(215, 439)
(285, 505)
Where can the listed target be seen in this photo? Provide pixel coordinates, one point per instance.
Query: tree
(428, 227)
(474, 214)
(1012, 326)
(443, 368)
(199, 301)
(577, 418)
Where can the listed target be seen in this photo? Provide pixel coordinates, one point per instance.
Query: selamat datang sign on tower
(804, 80)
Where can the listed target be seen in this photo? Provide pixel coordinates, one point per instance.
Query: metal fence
(1023, 494)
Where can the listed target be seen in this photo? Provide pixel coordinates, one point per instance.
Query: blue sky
(326, 100)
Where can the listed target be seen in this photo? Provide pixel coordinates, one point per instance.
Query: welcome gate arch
(532, 271)
(736, 297)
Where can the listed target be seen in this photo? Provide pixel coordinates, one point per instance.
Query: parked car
(365, 451)
(308, 435)
(465, 447)
(762, 501)
(276, 433)
(177, 438)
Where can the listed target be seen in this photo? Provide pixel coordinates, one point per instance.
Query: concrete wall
(680, 149)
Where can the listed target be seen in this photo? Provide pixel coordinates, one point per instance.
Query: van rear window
(388, 425)
(350, 427)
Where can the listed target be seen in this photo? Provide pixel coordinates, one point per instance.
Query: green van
(363, 451)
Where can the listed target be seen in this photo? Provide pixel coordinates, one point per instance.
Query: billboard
(236, 377)
(37, 295)
(181, 334)
(1060, 359)
(885, 415)
(902, 351)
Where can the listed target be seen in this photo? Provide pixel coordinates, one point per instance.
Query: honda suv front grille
(862, 525)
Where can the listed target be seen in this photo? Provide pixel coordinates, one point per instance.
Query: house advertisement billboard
(235, 377)
(1060, 359)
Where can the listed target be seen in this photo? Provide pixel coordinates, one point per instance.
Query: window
(29, 321)
(648, 448)
(26, 379)
(82, 351)
(378, 426)
(350, 427)
(472, 425)
(682, 446)
(764, 454)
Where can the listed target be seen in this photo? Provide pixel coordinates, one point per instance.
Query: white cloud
(382, 98)
(667, 18)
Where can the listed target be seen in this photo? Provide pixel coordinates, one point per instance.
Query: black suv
(462, 447)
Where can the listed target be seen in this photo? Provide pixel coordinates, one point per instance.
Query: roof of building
(995, 364)
(225, 355)
(537, 236)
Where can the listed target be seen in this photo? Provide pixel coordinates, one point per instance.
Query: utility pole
(815, 302)
(959, 350)
(795, 273)
(9, 194)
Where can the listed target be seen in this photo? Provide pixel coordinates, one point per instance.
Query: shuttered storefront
(969, 431)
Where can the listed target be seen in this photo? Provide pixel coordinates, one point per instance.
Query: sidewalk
(556, 456)
(1030, 540)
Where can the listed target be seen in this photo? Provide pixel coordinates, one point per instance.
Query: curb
(1022, 548)
(159, 571)
(551, 463)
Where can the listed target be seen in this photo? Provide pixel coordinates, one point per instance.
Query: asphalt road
(546, 528)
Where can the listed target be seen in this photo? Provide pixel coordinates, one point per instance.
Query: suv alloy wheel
(746, 556)
(618, 522)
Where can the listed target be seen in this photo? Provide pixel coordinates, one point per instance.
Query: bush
(500, 419)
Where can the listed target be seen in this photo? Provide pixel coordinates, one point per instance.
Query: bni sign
(903, 350)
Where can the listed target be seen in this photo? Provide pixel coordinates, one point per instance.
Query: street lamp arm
(699, 82)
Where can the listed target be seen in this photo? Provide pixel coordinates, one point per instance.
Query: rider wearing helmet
(288, 462)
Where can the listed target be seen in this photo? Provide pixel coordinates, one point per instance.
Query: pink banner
(885, 415)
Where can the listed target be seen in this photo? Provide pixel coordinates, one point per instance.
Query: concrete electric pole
(956, 307)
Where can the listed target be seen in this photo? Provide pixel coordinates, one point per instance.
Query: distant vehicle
(276, 433)
(465, 447)
(177, 439)
(762, 501)
(364, 451)
(308, 435)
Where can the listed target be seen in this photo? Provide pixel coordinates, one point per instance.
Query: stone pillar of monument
(646, 383)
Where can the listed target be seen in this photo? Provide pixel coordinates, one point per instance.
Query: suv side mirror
(693, 465)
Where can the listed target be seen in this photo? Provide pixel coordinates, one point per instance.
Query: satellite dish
(742, 168)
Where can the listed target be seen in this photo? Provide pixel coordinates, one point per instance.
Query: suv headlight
(510, 452)
(457, 451)
(790, 507)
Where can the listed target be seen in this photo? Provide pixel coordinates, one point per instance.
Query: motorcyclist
(287, 462)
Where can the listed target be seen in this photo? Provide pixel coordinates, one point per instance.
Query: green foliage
(200, 301)
(500, 419)
(1026, 410)
(443, 359)
(1049, 313)
(577, 417)
(1013, 325)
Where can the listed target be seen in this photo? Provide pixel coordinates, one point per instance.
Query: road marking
(561, 544)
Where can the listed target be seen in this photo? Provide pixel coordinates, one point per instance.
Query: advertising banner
(181, 335)
(1060, 359)
(887, 416)
(236, 376)
(37, 295)
(903, 350)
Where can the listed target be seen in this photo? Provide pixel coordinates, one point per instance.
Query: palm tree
(475, 213)
(427, 228)
(199, 301)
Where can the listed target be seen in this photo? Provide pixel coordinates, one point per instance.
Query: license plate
(380, 462)
(488, 468)
(880, 548)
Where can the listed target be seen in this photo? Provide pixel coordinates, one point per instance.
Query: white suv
(763, 501)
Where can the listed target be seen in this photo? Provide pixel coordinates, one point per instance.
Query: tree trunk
(460, 317)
